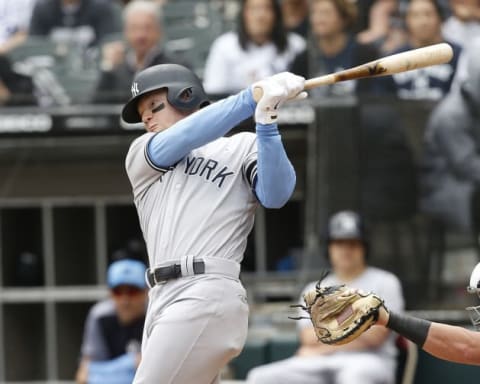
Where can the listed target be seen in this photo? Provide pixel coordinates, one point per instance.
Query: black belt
(174, 271)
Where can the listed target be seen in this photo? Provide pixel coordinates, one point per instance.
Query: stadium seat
(62, 72)
(254, 354)
(35, 46)
(190, 29)
(281, 347)
(79, 85)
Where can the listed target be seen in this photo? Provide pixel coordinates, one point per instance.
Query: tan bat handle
(388, 65)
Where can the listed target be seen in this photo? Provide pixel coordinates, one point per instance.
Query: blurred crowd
(58, 52)
(63, 52)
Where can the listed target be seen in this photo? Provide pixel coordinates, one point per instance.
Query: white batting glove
(276, 90)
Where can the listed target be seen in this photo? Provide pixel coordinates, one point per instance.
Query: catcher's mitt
(340, 314)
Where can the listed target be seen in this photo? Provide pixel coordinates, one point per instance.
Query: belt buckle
(161, 282)
(151, 272)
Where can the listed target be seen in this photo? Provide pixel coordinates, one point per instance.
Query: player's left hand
(276, 90)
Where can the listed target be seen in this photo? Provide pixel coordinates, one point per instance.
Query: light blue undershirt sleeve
(166, 148)
(276, 177)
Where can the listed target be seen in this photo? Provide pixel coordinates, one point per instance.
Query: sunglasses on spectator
(127, 290)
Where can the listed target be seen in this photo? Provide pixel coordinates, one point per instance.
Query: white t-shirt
(460, 32)
(462, 68)
(383, 283)
(229, 68)
(203, 206)
(14, 16)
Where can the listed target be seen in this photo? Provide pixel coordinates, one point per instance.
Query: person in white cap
(371, 358)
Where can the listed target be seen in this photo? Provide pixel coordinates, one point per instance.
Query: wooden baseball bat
(388, 65)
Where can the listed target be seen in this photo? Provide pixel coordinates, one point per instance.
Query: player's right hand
(276, 90)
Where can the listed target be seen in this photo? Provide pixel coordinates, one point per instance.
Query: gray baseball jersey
(202, 206)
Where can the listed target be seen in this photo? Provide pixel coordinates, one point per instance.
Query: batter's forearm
(275, 174)
(168, 147)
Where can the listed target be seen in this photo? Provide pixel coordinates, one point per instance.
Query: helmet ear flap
(187, 95)
(184, 98)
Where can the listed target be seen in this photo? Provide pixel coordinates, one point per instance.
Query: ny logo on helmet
(134, 89)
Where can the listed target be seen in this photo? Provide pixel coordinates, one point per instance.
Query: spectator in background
(334, 48)
(15, 89)
(367, 360)
(159, 2)
(464, 23)
(451, 161)
(424, 26)
(142, 48)
(363, 19)
(259, 49)
(86, 22)
(383, 29)
(463, 28)
(461, 74)
(14, 22)
(113, 330)
(295, 16)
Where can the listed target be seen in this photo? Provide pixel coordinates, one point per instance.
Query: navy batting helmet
(184, 89)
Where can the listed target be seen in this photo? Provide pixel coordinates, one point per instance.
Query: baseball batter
(196, 193)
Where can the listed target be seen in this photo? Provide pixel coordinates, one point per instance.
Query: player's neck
(418, 43)
(141, 56)
(139, 60)
(351, 274)
(260, 39)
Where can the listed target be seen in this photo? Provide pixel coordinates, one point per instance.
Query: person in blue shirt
(334, 47)
(113, 331)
